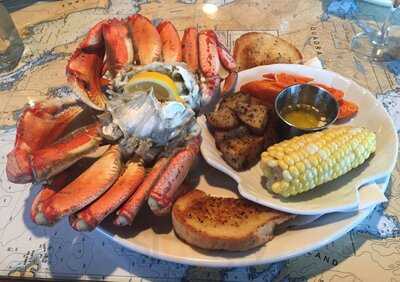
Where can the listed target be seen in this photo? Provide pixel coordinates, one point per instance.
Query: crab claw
(168, 185)
(92, 183)
(208, 54)
(85, 67)
(210, 91)
(84, 73)
(88, 218)
(38, 126)
(50, 188)
(229, 83)
(171, 43)
(49, 161)
(146, 40)
(94, 38)
(119, 48)
(190, 49)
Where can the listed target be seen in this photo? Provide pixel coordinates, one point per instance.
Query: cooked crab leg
(225, 57)
(48, 190)
(127, 213)
(229, 83)
(210, 89)
(53, 159)
(38, 126)
(119, 48)
(146, 40)
(190, 49)
(92, 183)
(171, 43)
(122, 189)
(208, 54)
(163, 193)
(53, 186)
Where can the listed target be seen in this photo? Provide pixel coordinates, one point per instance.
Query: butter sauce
(303, 116)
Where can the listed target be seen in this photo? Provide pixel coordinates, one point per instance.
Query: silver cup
(305, 94)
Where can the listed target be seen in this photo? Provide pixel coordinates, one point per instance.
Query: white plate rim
(235, 262)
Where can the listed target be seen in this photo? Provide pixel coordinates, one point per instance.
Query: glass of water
(11, 46)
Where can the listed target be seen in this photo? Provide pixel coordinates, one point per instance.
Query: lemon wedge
(164, 87)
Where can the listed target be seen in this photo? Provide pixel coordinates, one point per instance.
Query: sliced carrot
(262, 89)
(347, 109)
(336, 93)
(291, 79)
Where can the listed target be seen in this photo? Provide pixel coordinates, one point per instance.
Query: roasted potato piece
(233, 101)
(254, 116)
(223, 119)
(243, 151)
(221, 136)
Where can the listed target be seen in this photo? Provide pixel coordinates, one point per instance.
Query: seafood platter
(177, 149)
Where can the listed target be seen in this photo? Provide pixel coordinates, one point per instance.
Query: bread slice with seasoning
(258, 48)
(221, 136)
(242, 152)
(254, 116)
(216, 223)
(234, 100)
(223, 119)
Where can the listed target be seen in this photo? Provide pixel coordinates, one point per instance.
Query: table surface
(51, 30)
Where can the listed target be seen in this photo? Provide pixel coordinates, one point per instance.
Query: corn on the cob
(297, 165)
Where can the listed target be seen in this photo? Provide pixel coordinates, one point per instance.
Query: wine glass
(377, 45)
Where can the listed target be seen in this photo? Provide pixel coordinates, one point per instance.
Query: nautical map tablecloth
(51, 30)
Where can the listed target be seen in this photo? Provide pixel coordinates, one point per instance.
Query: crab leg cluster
(85, 177)
(89, 194)
(111, 45)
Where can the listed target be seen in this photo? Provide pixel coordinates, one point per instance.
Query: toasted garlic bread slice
(216, 223)
(257, 48)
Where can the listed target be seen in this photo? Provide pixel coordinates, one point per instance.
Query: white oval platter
(154, 236)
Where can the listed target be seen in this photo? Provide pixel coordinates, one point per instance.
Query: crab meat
(171, 43)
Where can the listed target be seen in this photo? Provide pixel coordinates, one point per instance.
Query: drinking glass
(11, 46)
(378, 45)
